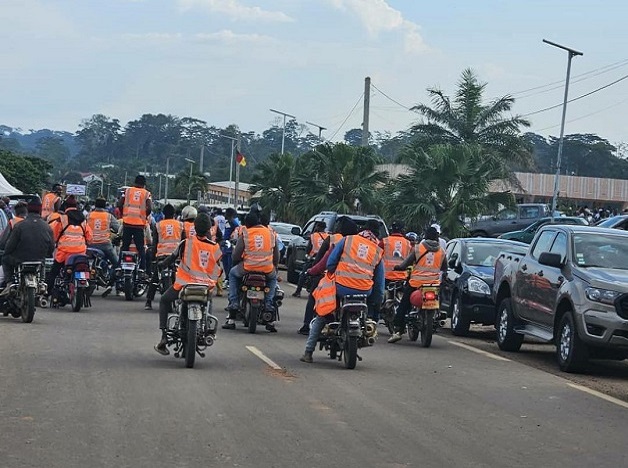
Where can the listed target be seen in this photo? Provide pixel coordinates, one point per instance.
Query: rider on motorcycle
(199, 257)
(102, 224)
(20, 211)
(256, 251)
(429, 262)
(188, 215)
(314, 244)
(357, 263)
(396, 249)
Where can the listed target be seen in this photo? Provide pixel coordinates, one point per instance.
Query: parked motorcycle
(252, 299)
(349, 331)
(72, 283)
(424, 318)
(192, 328)
(25, 292)
(128, 277)
(392, 298)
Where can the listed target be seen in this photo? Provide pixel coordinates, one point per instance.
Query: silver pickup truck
(571, 288)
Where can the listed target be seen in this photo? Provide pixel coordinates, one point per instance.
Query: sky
(230, 61)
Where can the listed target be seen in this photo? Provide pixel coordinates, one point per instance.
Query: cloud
(236, 10)
(153, 36)
(378, 16)
(229, 37)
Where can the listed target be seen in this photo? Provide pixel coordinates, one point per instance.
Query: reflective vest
(428, 267)
(100, 223)
(52, 217)
(134, 209)
(316, 239)
(199, 263)
(169, 232)
(189, 229)
(334, 239)
(325, 295)
(396, 249)
(358, 260)
(58, 224)
(259, 244)
(48, 204)
(73, 240)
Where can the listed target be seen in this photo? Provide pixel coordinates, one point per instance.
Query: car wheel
(507, 338)
(571, 352)
(459, 324)
(292, 274)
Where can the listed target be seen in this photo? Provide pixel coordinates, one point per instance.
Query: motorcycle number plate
(195, 312)
(255, 294)
(30, 282)
(128, 266)
(81, 275)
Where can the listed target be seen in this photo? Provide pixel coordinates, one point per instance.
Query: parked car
(295, 253)
(509, 219)
(614, 222)
(466, 290)
(570, 288)
(527, 234)
(4, 221)
(287, 234)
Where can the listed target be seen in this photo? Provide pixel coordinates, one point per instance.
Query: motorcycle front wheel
(190, 344)
(350, 354)
(28, 306)
(428, 329)
(252, 317)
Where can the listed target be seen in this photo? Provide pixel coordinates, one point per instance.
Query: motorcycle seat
(255, 278)
(76, 259)
(93, 252)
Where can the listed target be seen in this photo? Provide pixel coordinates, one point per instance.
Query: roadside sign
(75, 189)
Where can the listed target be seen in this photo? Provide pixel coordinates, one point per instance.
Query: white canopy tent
(6, 188)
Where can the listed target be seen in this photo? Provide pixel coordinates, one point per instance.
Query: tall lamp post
(283, 134)
(571, 53)
(192, 162)
(233, 144)
(167, 179)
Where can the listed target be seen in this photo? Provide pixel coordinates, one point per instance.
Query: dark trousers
(52, 274)
(165, 306)
(8, 266)
(309, 307)
(135, 234)
(404, 307)
(154, 280)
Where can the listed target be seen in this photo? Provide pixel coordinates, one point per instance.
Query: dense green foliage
(28, 174)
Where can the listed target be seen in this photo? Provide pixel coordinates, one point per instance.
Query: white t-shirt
(221, 222)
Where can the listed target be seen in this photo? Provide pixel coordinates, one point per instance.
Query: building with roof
(218, 193)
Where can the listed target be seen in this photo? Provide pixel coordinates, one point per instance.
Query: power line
(391, 99)
(347, 118)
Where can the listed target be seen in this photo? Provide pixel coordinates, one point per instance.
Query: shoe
(395, 337)
(106, 292)
(296, 294)
(229, 326)
(307, 357)
(161, 347)
(271, 328)
(219, 294)
(148, 306)
(304, 331)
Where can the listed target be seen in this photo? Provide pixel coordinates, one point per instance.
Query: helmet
(255, 208)
(412, 237)
(188, 213)
(416, 298)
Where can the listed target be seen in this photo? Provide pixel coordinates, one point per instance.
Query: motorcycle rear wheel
(428, 330)
(190, 344)
(128, 288)
(350, 354)
(28, 306)
(76, 297)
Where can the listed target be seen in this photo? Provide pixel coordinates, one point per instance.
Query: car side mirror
(453, 261)
(295, 231)
(551, 259)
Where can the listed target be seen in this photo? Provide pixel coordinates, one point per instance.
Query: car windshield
(600, 250)
(486, 253)
(610, 222)
(281, 229)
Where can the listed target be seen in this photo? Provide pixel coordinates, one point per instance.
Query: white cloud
(236, 10)
(378, 16)
(229, 37)
(153, 36)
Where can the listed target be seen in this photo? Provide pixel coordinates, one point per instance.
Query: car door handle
(524, 267)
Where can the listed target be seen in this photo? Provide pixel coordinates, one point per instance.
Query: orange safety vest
(189, 229)
(134, 209)
(52, 217)
(357, 263)
(100, 223)
(325, 295)
(317, 239)
(396, 249)
(259, 244)
(428, 266)
(334, 239)
(48, 204)
(72, 240)
(58, 224)
(199, 263)
(169, 232)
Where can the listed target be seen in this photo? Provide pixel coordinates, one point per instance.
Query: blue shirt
(229, 228)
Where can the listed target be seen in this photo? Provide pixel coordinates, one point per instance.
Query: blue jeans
(226, 262)
(235, 283)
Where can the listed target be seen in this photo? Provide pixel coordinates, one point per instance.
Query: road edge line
(600, 395)
(479, 351)
(272, 364)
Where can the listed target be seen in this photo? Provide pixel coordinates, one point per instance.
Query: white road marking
(601, 395)
(264, 358)
(479, 351)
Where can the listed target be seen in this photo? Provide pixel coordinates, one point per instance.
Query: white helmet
(188, 213)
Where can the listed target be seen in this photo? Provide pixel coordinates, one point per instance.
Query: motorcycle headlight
(478, 286)
(602, 295)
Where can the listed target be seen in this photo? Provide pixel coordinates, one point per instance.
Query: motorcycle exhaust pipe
(371, 340)
(209, 341)
(371, 328)
(43, 302)
(441, 323)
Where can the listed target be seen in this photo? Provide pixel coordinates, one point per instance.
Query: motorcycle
(192, 328)
(100, 269)
(251, 300)
(128, 277)
(72, 283)
(350, 331)
(392, 298)
(25, 292)
(424, 318)
(165, 275)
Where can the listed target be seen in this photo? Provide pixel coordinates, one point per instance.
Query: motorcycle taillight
(128, 259)
(430, 296)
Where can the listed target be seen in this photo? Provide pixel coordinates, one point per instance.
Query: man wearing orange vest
(136, 205)
(167, 235)
(314, 244)
(52, 201)
(429, 262)
(199, 264)
(396, 250)
(102, 223)
(357, 263)
(256, 251)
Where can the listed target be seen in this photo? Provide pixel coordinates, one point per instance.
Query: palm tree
(272, 181)
(340, 178)
(446, 183)
(467, 119)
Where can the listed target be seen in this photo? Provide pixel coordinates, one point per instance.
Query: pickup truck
(509, 219)
(570, 289)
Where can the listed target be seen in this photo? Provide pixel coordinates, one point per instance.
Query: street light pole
(233, 143)
(320, 129)
(571, 53)
(283, 134)
(192, 162)
(167, 179)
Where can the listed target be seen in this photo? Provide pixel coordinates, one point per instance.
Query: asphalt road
(88, 390)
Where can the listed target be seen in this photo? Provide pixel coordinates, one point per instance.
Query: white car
(287, 233)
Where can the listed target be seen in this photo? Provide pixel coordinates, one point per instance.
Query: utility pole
(283, 135)
(571, 53)
(200, 163)
(237, 177)
(233, 142)
(320, 129)
(167, 179)
(367, 105)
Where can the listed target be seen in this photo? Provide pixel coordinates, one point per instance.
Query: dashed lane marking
(595, 393)
(264, 358)
(479, 351)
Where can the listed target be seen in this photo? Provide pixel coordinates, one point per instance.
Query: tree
(272, 180)
(466, 119)
(98, 137)
(446, 183)
(30, 175)
(53, 150)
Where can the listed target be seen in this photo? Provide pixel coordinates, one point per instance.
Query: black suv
(295, 254)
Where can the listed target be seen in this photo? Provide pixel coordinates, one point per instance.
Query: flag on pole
(240, 159)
